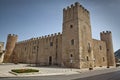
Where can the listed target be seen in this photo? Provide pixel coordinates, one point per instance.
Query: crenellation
(68, 7)
(48, 35)
(45, 36)
(10, 45)
(51, 35)
(77, 4)
(64, 9)
(105, 32)
(70, 12)
(12, 35)
(106, 36)
(72, 5)
(35, 38)
(9, 34)
(42, 37)
(84, 9)
(74, 44)
(39, 37)
(55, 34)
(59, 33)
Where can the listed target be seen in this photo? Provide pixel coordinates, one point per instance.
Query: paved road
(82, 76)
(107, 76)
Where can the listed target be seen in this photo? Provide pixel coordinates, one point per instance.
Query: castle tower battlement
(73, 48)
(76, 36)
(12, 35)
(38, 38)
(74, 11)
(105, 32)
(107, 37)
(11, 41)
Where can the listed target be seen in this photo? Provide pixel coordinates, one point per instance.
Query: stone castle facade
(2, 51)
(74, 47)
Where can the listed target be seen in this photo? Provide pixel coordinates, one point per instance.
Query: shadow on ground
(107, 76)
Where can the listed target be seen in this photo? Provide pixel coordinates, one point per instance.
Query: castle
(74, 47)
(2, 51)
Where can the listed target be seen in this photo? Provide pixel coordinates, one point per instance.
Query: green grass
(24, 70)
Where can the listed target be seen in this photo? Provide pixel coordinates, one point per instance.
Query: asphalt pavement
(83, 76)
(58, 73)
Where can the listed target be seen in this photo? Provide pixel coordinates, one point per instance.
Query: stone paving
(43, 71)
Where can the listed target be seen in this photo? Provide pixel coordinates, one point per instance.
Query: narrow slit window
(87, 58)
(89, 48)
(100, 47)
(103, 59)
(72, 42)
(71, 26)
(51, 43)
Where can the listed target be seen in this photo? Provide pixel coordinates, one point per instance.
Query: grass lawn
(24, 70)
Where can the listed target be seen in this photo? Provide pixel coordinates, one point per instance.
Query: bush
(24, 70)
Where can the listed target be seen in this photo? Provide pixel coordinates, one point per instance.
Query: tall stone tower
(107, 37)
(76, 38)
(11, 41)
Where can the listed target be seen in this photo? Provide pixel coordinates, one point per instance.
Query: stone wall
(107, 37)
(10, 45)
(1, 51)
(45, 50)
(73, 48)
(99, 51)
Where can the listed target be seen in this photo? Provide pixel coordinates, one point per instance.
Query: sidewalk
(43, 71)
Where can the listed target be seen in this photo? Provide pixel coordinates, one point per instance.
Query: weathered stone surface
(2, 51)
(73, 48)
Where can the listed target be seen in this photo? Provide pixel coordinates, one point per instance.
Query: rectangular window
(71, 26)
(51, 43)
(100, 47)
(89, 48)
(87, 58)
(34, 47)
(103, 59)
(0, 48)
(72, 42)
(25, 48)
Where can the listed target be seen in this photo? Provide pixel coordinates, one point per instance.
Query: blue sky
(35, 18)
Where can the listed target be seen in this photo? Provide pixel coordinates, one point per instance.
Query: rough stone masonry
(74, 47)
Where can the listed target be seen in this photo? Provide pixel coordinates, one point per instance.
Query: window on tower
(25, 48)
(71, 55)
(89, 48)
(103, 59)
(51, 43)
(72, 42)
(71, 26)
(100, 47)
(87, 58)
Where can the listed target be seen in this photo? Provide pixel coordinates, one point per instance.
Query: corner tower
(76, 38)
(107, 37)
(11, 41)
